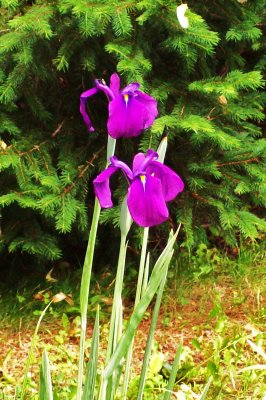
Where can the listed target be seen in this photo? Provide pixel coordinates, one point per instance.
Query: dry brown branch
(82, 172)
(254, 159)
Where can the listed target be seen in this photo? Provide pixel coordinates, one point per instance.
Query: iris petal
(115, 83)
(83, 99)
(120, 164)
(141, 161)
(131, 88)
(100, 84)
(128, 119)
(146, 202)
(102, 186)
(138, 161)
(172, 184)
(151, 106)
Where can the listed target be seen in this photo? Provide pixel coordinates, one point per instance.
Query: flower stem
(86, 274)
(116, 319)
(150, 337)
(112, 339)
(142, 264)
(84, 290)
(137, 298)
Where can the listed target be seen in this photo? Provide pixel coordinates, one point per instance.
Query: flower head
(130, 110)
(151, 185)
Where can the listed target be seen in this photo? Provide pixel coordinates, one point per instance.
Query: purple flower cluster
(151, 183)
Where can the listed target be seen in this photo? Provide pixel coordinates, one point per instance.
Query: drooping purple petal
(172, 184)
(115, 83)
(130, 114)
(83, 100)
(100, 84)
(120, 164)
(102, 186)
(146, 202)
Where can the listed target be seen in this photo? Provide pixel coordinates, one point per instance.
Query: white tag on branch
(180, 12)
(3, 145)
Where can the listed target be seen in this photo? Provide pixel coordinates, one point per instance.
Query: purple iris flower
(130, 110)
(151, 185)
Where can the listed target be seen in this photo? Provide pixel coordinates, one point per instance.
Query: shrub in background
(208, 83)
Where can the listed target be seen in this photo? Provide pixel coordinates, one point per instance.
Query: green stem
(84, 291)
(142, 264)
(150, 337)
(115, 323)
(112, 339)
(172, 377)
(86, 274)
(122, 346)
(137, 298)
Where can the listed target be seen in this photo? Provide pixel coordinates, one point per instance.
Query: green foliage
(45, 379)
(207, 79)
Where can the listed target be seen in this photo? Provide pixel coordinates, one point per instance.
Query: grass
(214, 304)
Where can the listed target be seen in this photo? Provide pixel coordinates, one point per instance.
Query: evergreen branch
(83, 171)
(21, 171)
(36, 147)
(232, 178)
(254, 159)
(117, 6)
(125, 6)
(198, 197)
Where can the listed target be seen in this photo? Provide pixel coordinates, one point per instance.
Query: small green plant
(205, 261)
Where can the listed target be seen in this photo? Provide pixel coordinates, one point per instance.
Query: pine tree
(208, 80)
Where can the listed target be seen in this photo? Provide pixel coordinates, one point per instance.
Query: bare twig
(58, 129)
(89, 163)
(254, 159)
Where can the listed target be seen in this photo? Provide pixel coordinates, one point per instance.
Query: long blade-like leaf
(150, 337)
(172, 377)
(137, 315)
(206, 389)
(88, 392)
(45, 391)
